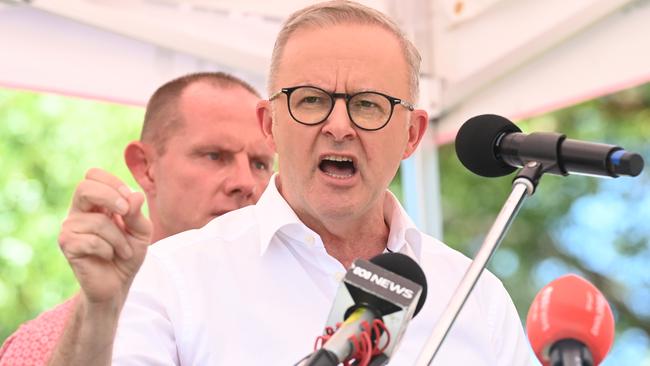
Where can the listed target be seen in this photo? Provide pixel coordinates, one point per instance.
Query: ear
(139, 158)
(265, 119)
(417, 127)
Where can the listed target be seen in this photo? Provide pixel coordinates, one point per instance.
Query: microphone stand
(523, 186)
(569, 352)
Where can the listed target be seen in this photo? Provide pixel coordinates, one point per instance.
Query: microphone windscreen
(570, 308)
(476, 144)
(404, 266)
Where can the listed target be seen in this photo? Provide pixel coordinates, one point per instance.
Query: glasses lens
(309, 105)
(369, 110)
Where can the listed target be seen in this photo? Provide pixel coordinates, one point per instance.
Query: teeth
(336, 158)
(338, 175)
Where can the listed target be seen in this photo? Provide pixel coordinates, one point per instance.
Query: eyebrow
(261, 156)
(347, 91)
(218, 147)
(233, 148)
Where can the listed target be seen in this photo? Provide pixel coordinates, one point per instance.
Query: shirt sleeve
(34, 342)
(145, 334)
(508, 338)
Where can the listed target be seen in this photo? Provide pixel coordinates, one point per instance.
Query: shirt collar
(274, 214)
(404, 236)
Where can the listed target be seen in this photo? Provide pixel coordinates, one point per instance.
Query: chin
(202, 223)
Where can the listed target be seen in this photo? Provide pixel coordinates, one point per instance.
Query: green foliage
(47, 143)
(595, 227)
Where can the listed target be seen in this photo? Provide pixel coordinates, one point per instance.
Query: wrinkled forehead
(304, 29)
(211, 113)
(345, 57)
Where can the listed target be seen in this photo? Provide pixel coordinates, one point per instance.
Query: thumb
(136, 224)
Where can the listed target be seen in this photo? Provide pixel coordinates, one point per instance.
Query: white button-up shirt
(255, 287)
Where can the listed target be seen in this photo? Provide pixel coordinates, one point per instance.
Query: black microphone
(492, 146)
(391, 288)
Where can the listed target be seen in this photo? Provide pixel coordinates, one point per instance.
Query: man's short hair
(343, 12)
(163, 116)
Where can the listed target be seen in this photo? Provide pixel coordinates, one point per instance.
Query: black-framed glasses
(368, 110)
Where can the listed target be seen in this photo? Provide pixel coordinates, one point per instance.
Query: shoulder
(489, 301)
(35, 340)
(225, 242)
(215, 236)
(446, 265)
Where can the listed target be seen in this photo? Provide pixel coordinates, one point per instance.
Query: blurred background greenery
(47, 142)
(599, 228)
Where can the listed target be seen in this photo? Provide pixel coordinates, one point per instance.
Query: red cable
(363, 347)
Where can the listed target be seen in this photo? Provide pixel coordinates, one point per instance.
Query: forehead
(346, 57)
(214, 115)
(210, 100)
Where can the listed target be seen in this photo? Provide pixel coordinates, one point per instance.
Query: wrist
(89, 334)
(89, 311)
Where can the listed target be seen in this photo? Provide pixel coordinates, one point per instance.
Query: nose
(241, 181)
(338, 124)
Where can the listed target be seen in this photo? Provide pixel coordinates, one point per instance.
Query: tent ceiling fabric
(523, 58)
(230, 38)
(158, 39)
(122, 51)
(515, 58)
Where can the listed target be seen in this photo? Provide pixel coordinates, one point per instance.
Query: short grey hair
(344, 12)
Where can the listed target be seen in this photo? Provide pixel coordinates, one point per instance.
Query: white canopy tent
(516, 58)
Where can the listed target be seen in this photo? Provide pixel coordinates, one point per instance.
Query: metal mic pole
(522, 187)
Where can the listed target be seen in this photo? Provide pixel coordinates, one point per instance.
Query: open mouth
(337, 166)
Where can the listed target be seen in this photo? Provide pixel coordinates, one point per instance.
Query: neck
(156, 225)
(157, 235)
(350, 248)
(348, 240)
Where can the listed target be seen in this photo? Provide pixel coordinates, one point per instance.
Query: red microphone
(570, 323)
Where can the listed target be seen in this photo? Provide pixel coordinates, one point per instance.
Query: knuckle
(92, 173)
(63, 240)
(94, 245)
(89, 244)
(84, 192)
(82, 186)
(65, 225)
(65, 237)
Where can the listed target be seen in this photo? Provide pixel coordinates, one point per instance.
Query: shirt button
(338, 276)
(310, 240)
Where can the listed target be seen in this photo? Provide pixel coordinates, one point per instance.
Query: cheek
(385, 154)
(398, 141)
(282, 135)
(194, 177)
(262, 181)
(292, 143)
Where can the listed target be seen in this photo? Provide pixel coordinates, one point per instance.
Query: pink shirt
(32, 344)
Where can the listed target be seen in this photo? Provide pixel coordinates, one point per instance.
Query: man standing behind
(255, 286)
(201, 154)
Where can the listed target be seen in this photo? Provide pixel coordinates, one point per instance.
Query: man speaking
(254, 286)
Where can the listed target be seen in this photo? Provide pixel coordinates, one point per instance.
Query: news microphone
(570, 323)
(391, 288)
(492, 146)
